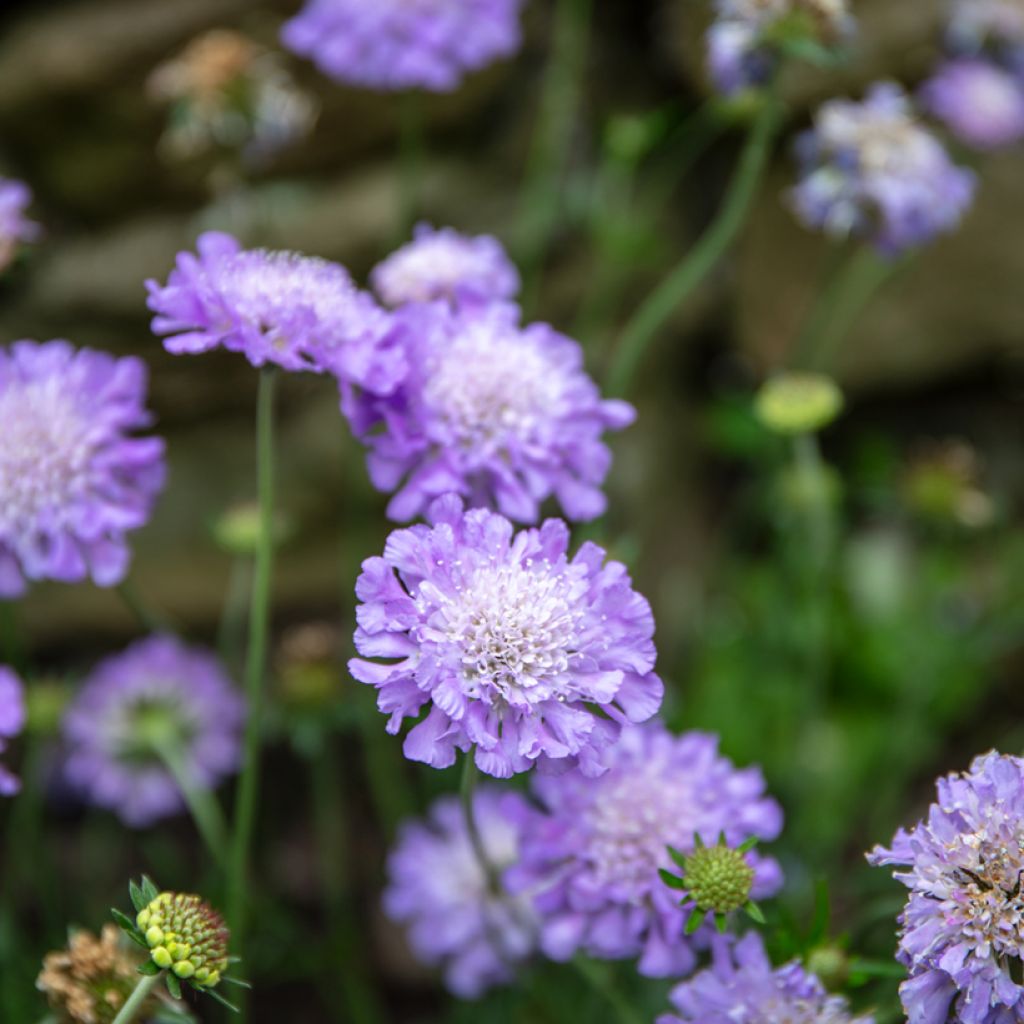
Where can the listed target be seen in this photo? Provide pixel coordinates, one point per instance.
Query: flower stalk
(134, 1003)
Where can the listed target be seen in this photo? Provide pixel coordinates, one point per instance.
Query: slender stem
(133, 1004)
(410, 161)
(259, 616)
(148, 619)
(201, 803)
(12, 650)
(467, 792)
(231, 631)
(600, 983)
(675, 289)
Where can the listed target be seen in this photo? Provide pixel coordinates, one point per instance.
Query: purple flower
(592, 855)
(980, 102)
(871, 169)
(743, 41)
(395, 44)
(501, 414)
(741, 987)
(73, 479)
(439, 890)
(995, 26)
(157, 702)
(962, 929)
(15, 227)
(12, 721)
(275, 307)
(519, 652)
(442, 264)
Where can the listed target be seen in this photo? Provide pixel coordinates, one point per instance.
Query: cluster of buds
(186, 937)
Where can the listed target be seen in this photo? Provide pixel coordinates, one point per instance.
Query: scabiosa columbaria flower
(443, 264)
(742, 986)
(158, 698)
(297, 312)
(404, 44)
(15, 227)
(962, 929)
(981, 103)
(746, 35)
(440, 891)
(521, 653)
(12, 721)
(871, 169)
(502, 414)
(73, 481)
(592, 856)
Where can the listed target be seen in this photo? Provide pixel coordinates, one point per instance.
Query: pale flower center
(429, 269)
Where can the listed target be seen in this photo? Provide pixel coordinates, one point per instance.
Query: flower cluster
(73, 479)
(519, 652)
(962, 930)
(12, 721)
(742, 986)
(443, 264)
(157, 701)
(746, 36)
(502, 414)
(395, 44)
(872, 170)
(455, 914)
(592, 855)
(15, 227)
(294, 311)
(185, 936)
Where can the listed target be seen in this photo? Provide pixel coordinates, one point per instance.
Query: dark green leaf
(672, 881)
(679, 858)
(173, 985)
(747, 846)
(220, 999)
(721, 922)
(148, 968)
(695, 920)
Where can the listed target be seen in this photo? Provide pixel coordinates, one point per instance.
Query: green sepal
(747, 846)
(139, 901)
(672, 881)
(753, 911)
(698, 843)
(695, 920)
(220, 999)
(149, 890)
(128, 926)
(148, 968)
(677, 857)
(721, 923)
(173, 985)
(228, 980)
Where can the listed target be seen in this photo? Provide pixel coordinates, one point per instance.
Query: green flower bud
(719, 878)
(798, 403)
(188, 937)
(161, 957)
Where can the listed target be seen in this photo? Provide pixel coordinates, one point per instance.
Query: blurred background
(853, 675)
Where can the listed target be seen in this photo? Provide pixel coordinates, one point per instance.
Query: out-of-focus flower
(741, 985)
(747, 36)
(522, 655)
(798, 403)
(185, 936)
(158, 700)
(443, 264)
(592, 857)
(12, 721)
(501, 414)
(88, 982)
(307, 663)
(295, 311)
(228, 92)
(981, 103)
(962, 929)
(398, 44)
(872, 170)
(994, 26)
(15, 227)
(943, 485)
(73, 481)
(439, 889)
(237, 529)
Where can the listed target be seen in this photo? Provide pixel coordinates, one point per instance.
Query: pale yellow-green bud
(798, 403)
(154, 936)
(187, 937)
(184, 969)
(161, 957)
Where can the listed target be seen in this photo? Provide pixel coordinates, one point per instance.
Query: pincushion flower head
(15, 227)
(12, 721)
(501, 414)
(742, 986)
(282, 308)
(873, 171)
(73, 479)
(962, 929)
(443, 264)
(747, 36)
(516, 651)
(404, 44)
(439, 889)
(594, 853)
(157, 701)
(981, 103)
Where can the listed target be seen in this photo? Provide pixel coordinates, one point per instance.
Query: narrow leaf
(754, 912)
(672, 881)
(149, 890)
(227, 979)
(695, 920)
(677, 857)
(721, 923)
(220, 999)
(138, 900)
(747, 846)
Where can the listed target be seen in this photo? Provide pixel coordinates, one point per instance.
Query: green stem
(410, 161)
(12, 651)
(149, 620)
(675, 289)
(231, 631)
(597, 980)
(133, 1004)
(201, 803)
(259, 616)
(467, 792)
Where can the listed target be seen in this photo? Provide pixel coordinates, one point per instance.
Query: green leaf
(672, 881)
(128, 926)
(747, 846)
(220, 999)
(148, 969)
(695, 920)
(679, 858)
(138, 900)
(173, 985)
(698, 843)
(754, 912)
(149, 890)
(227, 979)
(721, 923)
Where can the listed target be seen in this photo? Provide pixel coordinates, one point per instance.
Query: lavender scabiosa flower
(440, 891)
(294, 311)
(12, 721)
(443, 264)
(398, 44)
(501, 414)
(73, 481)
(519, 652)
(592, 855)
(742, 986)
(157, 700)
(981, 103)
(745, 38)
(962, 929)
(15, 227)
(871, 169)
